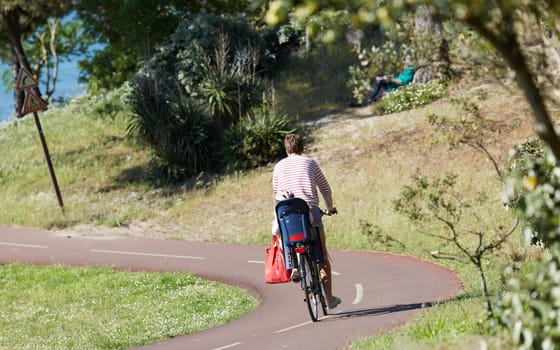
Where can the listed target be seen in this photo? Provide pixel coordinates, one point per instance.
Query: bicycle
(302, 240)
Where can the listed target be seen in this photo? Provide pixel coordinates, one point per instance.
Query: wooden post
(49, 162)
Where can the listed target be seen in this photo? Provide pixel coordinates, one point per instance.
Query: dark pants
(378, 88)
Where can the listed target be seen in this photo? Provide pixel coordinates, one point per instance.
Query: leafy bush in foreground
(529, 310)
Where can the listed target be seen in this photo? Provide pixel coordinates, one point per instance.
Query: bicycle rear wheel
(320, 291)
(307, 284)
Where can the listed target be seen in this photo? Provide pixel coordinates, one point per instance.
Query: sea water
(67, 86)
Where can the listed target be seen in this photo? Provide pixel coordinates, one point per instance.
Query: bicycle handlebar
(330, 213)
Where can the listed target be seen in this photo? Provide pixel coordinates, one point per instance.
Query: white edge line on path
(146, 254)
(24, 245)
(292, 327)
(359, 294)
(228, 346)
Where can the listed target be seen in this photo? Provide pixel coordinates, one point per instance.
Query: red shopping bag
(274, 268)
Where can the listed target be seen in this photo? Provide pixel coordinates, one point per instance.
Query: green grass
(60, 307)
(430, 330)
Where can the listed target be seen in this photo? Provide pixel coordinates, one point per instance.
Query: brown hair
(293, 144)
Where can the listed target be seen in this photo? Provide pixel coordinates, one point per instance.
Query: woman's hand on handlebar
(331, 211)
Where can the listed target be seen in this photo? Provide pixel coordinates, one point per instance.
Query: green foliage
(198, 43)
(431, 198)
(229, 91)
(257, 139)
(53, 42)
(530, 307)
(127, 32)
(219, 90)
(106, 104)
(533, 191)
(130, 31)
(473, 54)
(382, 57)
(207, 76)
(372, 62)
(148, 100)
(313, 82)
(187, 143)
(176, 128)
(436, 201)
(108, 69)
(412, 96)
(28, 17)
(381, 50)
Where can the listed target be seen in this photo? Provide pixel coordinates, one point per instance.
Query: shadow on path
(380, 310)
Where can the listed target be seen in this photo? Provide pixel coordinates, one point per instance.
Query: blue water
(67, 86)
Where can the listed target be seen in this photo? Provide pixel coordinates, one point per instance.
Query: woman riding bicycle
(301, 176)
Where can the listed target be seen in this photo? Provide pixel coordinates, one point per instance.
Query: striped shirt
(301, 176)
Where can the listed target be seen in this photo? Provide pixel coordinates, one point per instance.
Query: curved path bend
(378, 290)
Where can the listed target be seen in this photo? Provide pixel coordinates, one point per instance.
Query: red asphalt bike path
(379, 290)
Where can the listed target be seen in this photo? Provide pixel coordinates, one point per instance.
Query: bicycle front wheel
(308, 284)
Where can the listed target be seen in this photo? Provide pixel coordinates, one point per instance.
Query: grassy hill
(368, 158)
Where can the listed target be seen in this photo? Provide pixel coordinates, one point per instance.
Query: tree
(216, 60)
(429, 30)
(50, 44)
(19, 19)
(128, 32)
(499, 22)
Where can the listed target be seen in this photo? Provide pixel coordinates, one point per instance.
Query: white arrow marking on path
(359, 294)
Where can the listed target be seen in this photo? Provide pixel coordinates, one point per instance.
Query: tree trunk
(429, 29)
(19, 96)
(544, 126)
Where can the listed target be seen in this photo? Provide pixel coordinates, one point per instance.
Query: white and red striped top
(301, 176)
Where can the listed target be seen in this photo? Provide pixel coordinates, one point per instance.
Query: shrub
(257, 139)
(412, 96)
(105, 105)
(215, 61)
(533, 191)
(152, 111)
(176, 128)
(190, 50)
(188, 143)
(529, 309)
(230, 91)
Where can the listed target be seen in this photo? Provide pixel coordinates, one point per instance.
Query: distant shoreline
(67, 86)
